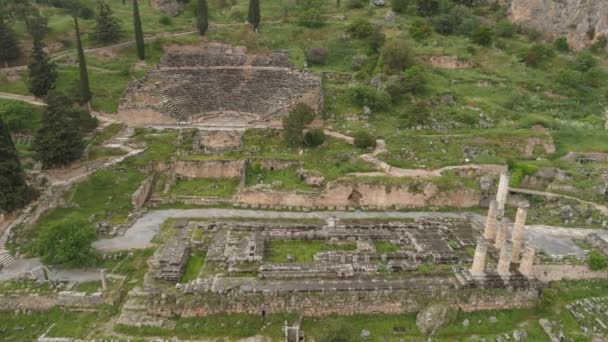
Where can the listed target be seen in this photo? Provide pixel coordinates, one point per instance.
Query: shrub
(376, 40)
(317, 56)
(310, 13)
(597, 261)
(396, 56)
(358, 62)
(314, 137)
(561, 44)
(519, 170)
(294, 123)
(482, 36)
(427, 8)
(362, 95)
(420, 30)
(600, 44)
(537, 55)
(67, 242)
(505, 29)
(360, 28)
(352, 4)
(417, 115)
(400, 6)
(394, 88)
(164, 20)
(584, 61)
(364, 140)
(459, 20)
(415, 80)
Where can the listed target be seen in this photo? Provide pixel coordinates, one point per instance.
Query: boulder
(433, 318)
(168, 7)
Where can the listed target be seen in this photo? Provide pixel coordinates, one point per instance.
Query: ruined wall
(80, 299)
(209, 168)
(581, 21)
(355, 302)
(547, 273)
(26, 302)
(343, 195)
(142, 193)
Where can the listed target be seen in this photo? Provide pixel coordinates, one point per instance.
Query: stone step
(6, 259)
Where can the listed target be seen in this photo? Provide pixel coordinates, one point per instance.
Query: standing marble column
(527, 261)
(489, 232)
(502, 193)
(479, 259)
(518, 230)
(501, 235)
(504, 260)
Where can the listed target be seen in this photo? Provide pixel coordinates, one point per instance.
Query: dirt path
(23, 98)
(602, 208)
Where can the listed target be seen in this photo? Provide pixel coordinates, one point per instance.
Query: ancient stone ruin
(219, 86)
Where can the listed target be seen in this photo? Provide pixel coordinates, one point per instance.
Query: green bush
(360, 28)
(600, 44)
(165, 20)
(597, 261)
(505, 29)
(364, 140)
(482, 36)
(418, 114)
(427, 8)
(309, 13)
(314, 137)
(294, 123)
(561, 44)
(537, 55)
(415, 80)
(420, 30)
(396, 56)
(400, 6)
(519, 170)
(459, 20)
(362, 95)
(67, 242)
(584, 61)
(352, 4)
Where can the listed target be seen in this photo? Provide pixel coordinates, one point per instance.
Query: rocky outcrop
(581, 21)
(168, 7)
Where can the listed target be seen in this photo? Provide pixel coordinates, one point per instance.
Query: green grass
(206, 187)
(193, 267)
(288, 178)
(22, 327)
(302, 251)
(386, 247)
(20, 117)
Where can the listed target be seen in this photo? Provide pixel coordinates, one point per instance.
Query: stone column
(502, 193)
(489, 232)
(518, 230)
(479, 259)
(501, 235)
(504, 260)
(103, 280)
(527, 261)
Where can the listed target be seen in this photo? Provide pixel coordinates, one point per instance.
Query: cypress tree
(84, 88)
(14, 191)
(202, 17)
(9, 48)
(42, 73)
(253, 17)
(139, 33)
(59, 140)
(107, 27)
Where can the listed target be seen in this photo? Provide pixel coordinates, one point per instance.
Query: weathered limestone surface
(581, 21)
(209, 168)
(140, 196)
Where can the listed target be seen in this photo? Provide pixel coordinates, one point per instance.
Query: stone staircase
(5, 257)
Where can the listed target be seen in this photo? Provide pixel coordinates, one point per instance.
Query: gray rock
(389, 17)
(365, 333)
(432, 318)
(379, 3)
(493, 319)
(466, 323)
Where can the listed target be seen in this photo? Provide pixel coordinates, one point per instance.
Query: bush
(294, 123)
(310, 13)
(360, 28)
(415, 80)
(482, 36)
(317, 56)
(361, 95)
(376, 40)
(417, 115)
(394, 88)
(459, 20)
(597, 261)
(396, 56)
(358, 62)
(561, 44)
(352, 4)
(427, 8)
(600, 44)
(584, 61)
(314, 137)
(537, 55)
(67, 242)
(400, 6)
(420, 30)
(505, 29)
(164, 20)
(519, 170)
(364, 140)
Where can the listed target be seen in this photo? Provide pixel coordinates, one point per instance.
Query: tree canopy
(14, 191)
(67, 242)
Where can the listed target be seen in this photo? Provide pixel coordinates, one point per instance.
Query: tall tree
(42, 73)
(107, 27)
(139, 33)
(253, 17)
(202, 13)
(9, 48)
(59, 140)
(14, 191)
(84, 89)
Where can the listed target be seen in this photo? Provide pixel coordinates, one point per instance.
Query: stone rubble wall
(80, 299)
(27, 302)
(547, 273)
(209, 168)
(141, 195)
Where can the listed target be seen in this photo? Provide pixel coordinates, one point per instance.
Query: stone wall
(140, 196)
(209, 168)
(344, 195)
(27, 302)
(80, 299)
(355, 302)
(547, 273)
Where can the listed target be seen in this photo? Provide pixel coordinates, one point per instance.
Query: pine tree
(59, 140)
(14, 191)
(254, 14)
(9, 48)
(202, 17)
(42, 73)
(139, 33)
(107, 27)
(84, 88)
